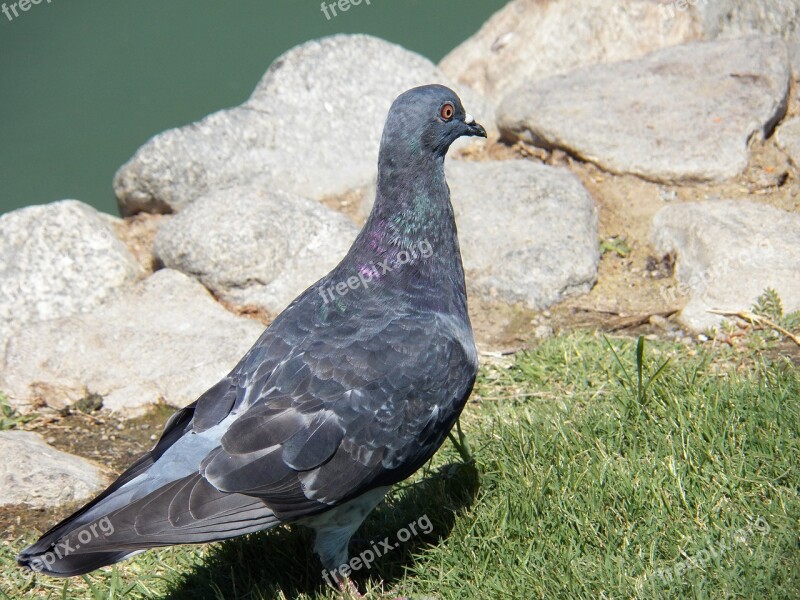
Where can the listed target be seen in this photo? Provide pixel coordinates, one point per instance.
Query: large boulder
(528, 232)
(530, 39)
(682, 114)
(787, 136)
(727, 253)
(312, 127)
(266, 249)
(55, 260)
(731, 18)
(534, 39)
(166, 340)
(40, 476)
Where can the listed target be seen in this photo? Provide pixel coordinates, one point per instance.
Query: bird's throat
(410, 234)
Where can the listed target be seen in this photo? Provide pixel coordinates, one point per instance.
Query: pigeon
(351, 389)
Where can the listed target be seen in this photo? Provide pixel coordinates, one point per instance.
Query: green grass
(9, 417)
(587, 483)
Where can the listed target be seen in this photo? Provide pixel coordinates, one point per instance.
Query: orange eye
(447, 112)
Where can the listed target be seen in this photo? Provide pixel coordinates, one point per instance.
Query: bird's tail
(73, 547)
(186, 511)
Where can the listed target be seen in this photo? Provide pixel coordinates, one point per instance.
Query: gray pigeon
(351, 389)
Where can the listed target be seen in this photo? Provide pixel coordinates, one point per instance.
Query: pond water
(84, 83)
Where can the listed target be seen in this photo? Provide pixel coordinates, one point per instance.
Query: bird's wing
(319, 411)
(327, 413)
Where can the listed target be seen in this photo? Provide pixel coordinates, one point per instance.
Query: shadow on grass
(263, 564)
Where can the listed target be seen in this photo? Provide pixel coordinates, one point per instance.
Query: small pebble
(668, 195)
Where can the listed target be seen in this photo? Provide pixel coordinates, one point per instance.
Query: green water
(84, 83)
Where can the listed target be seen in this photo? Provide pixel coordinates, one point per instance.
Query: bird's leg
(348, 588)
(461, 444)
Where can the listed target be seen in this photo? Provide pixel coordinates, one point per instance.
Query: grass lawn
(586, 484)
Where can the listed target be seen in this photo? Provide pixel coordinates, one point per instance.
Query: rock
(166, 340)
(312, 126)
(55, 260)
(787, 136)
(682, 114)
(726, 18)
(266, 248)
(40, 476)
(528, 232)
(728, 253)
(530, 39)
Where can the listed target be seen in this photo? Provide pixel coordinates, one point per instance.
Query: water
(84, 83)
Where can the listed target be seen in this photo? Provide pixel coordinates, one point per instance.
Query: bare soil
(104, 438)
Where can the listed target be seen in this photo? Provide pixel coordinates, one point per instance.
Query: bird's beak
(473, 128)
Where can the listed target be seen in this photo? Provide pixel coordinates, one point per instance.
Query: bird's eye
(447, 112)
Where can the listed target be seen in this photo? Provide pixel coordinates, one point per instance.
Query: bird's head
(428, 118)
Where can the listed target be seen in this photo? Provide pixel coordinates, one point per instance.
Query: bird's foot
(348, 588)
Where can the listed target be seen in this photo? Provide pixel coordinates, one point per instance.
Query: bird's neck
(410, 234)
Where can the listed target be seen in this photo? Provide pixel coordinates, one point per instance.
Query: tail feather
(163, 517)
(70, 566)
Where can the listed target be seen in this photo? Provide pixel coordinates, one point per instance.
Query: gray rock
(56, 260)
(255, 248)
(166, 340)
(529, 39)
(787, 136)
(40, 476)
(681, 114)
(528, 232)
(728, 252)
(312, 126)
(726, 18)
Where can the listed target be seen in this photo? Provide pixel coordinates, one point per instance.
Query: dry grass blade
(754, 319)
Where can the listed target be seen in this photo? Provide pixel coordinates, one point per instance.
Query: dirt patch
(99, 436)
(138, 233)
(350, 204)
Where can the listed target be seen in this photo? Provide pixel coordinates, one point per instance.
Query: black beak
(473, 128)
